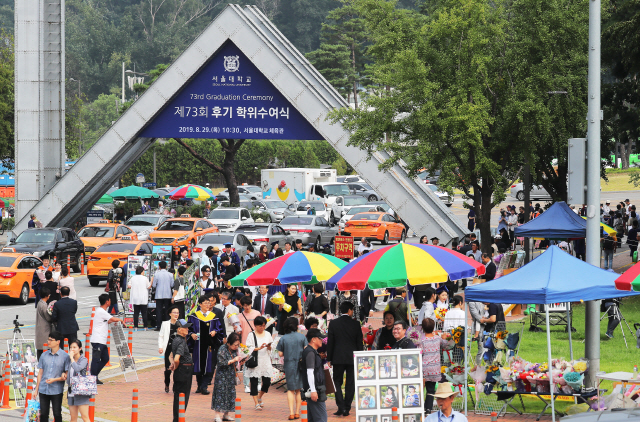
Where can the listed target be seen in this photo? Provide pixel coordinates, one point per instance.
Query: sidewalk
(113, 403)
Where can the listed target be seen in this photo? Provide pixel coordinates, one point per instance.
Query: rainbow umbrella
(629, 280)
(608, 229)
(393, 265)
(291, 268)
(188, 191)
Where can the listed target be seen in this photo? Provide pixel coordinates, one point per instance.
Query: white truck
(293, 185)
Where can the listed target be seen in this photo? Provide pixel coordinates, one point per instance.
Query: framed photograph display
(386, 379)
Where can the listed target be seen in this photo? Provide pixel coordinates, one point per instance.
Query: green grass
(618, 180)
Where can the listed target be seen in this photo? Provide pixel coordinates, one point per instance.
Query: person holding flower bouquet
(430, 344)
(455, 317)
(292, 299)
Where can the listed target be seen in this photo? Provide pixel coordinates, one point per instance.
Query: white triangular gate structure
(289, 71)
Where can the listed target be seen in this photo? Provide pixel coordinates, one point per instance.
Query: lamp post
(80, 113)
(133, 73)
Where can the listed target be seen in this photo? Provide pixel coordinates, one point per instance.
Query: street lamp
(80, 112)
(134, 73)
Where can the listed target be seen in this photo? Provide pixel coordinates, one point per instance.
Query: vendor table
(508, 396)
(623, 377)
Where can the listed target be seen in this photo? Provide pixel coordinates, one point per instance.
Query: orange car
(100, 261)
(16, 274)
(94, 235)
(375, 226)
(182, 231)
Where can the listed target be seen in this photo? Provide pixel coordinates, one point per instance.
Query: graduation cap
(434, 238)
(227, 245)
(277, 242)
(442, 289)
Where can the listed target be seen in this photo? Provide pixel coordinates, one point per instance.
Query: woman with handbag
(223, 399)
(259, 342)
(78, 370)
(168, 332)
(139, 298)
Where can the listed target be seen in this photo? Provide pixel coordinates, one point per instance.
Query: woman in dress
(350, 296)
(431, 345)
(78, 367)
(263, 372)
(291, 297)
(57, 270)
(290, 347)
(168, 331)
(318, 304)
(67, 280)
(223, 399)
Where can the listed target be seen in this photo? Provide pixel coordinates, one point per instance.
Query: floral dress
(431, 347)
(223, 398)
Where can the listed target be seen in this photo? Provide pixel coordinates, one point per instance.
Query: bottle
(635, 372)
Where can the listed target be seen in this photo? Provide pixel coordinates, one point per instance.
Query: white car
(444, 196)
(321, 210)
(355, 210)
(537, 192)
(228, 219)
(344, 203)
(250, 191)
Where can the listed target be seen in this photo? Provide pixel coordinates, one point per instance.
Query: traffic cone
(303, 411)
(109, 348)
(29, 392)
(238, 409)
(181, 409)
(134, 406)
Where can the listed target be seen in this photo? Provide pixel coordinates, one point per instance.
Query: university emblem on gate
(231, 63)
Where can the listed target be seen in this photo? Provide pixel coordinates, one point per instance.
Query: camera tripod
(615, 307)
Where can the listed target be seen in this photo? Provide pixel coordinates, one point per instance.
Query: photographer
(113, 285)
(611, 307)
(313, 378)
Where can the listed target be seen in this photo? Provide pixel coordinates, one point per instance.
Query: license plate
(104, 272)
(360, 227)
(293, 231)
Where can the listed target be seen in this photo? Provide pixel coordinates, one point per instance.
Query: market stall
(545, 281)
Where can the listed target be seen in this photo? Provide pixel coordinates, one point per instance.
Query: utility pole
(122, 82)
(80, 117)
(592, 317)
(527, 200)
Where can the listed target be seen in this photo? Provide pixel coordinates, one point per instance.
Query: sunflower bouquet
(458, 336)
(500, 339)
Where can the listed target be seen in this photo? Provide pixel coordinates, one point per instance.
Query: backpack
(607, 243)
(397, 309)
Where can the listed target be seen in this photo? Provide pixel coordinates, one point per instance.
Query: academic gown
(209, 345)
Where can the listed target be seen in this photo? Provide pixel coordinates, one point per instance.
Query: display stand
(22, 356)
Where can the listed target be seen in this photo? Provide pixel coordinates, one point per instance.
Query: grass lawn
(614, 356)
(618, 180)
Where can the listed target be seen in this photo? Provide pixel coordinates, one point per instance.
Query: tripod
(16, 331)
(615, 307)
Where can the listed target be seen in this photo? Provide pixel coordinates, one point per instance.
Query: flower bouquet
(450, 341)
(458, 336)
(500, 340)
(440, 313)
(580, 366)
(278, 299)
(415, 334)
(574, 380)
(270, 320)
(50, 307)
(457, 375)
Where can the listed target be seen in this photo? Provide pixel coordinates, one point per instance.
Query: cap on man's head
(308, 206)
(238, 295)
(608, 201)
(627, 200)
(215, 249)
(314, 333)
(227, 245)
(183, 323)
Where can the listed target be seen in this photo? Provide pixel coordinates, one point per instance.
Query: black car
(51, 241)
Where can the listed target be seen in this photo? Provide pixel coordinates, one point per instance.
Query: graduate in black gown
(211, 332)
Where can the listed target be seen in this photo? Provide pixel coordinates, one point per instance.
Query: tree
(462, 98)
(7, 61)
(332, 61)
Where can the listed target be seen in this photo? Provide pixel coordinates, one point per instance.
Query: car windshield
(360, 200)
(275, 204)
(224, 215)
(216, 239)
(117, 247)
(142, 221)
(356, 210)
(253, 189)
(6, 261)
(336, 190)
(180, 225)
(296, 221)
(367, 187)
(252, 229)
(36, 236)
(362, 216)
(96, 232)
(302, 206)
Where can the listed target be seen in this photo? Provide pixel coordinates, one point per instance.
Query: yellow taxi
(94, 235)
(375, 226)
(99, 262)
(16, 274)
(182, 231)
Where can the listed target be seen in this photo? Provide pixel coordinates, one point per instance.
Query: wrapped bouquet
(440, 313)
(278, 299)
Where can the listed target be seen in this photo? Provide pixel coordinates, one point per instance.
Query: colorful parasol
(629, 280)
(291, 268)
(608, 229)
(393, 265)
(197, 192)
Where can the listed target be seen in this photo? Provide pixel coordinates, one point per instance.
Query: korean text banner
(230, 98)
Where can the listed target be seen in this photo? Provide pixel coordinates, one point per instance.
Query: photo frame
(366, 368)
(412, 417)
(411, 396)
(410, 365)
(389, 396)
(385, 418)
(387, 367)
(29, 352)
(368, 418)
(367, 399)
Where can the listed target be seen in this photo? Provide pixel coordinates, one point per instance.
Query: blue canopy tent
(558, 222)
(553, 277)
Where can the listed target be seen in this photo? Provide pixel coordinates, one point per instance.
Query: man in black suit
(262, 303)
(344, 338)
(368, 300)
(64, 315)
(490, 268)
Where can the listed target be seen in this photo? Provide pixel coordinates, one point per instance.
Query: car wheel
(520, 196)
(385, 238)
(94, 281)
(372, 198)
(24, 294)
(403, 237)
(448, 205)
(76, 268)
(332, 219)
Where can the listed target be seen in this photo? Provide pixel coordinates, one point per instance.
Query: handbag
(84, 385)
(252, 362)
(180, 294)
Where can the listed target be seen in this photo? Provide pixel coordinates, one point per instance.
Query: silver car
(443, 196)
(309, 229)
(143, 224)
(321, 210)
(365, 190)
(265, 233)
(276, 208)
(239, 243)
(250, 191)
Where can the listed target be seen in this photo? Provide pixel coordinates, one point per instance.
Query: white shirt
(100, 326)
(362, 248)
(139, 290)
(512, 221)
(231, 309)
(453, 319)
(606, 209)
(287, 253)
(440, 417)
